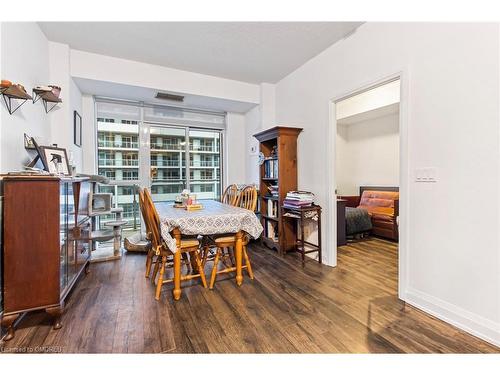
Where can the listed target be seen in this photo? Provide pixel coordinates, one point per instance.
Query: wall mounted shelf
(47, 97)
(11, 95)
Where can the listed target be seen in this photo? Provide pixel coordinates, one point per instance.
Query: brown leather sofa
(383, 208)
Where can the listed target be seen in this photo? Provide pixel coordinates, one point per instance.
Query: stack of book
(298, 199)
(273, 190)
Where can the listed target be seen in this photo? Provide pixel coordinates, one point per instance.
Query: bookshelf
(278, 176)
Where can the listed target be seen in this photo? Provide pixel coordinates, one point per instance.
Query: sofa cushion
(382, 217)
(379, 203)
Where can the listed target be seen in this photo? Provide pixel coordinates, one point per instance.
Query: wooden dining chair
(152, 258)
(247, 199)
(163, 253)
(151, 251)
(231, 195)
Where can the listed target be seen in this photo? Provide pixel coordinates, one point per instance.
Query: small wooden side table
(300, 215)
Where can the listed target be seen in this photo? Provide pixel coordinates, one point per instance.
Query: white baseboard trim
(467, 321)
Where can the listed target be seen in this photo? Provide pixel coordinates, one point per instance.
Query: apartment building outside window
(174, 136)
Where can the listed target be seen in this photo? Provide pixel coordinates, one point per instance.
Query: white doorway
(339, 109)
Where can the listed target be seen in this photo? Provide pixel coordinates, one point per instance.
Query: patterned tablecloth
(214, 218)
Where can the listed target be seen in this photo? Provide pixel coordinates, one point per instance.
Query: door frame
(404, 173)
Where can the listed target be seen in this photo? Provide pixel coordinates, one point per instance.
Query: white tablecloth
(214, 218)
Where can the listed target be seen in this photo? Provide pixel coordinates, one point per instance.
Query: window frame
(144, 141)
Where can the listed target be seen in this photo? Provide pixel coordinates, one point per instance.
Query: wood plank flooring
(287, 309)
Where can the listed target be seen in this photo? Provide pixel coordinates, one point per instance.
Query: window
(118, 155)
(130, 175)
(107, 173)
(184, 150)
(167, 162)
(101, 119)
(118, 141)
(204, 163)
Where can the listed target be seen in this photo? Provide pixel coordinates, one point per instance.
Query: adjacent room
(249, 187)
(367, 174)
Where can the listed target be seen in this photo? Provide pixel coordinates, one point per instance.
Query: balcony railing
(167, 178)
(204, 163)
(167, 163)
(203, 178)
(167, 146)
(118, 163)
(112, 144)
(204, 148)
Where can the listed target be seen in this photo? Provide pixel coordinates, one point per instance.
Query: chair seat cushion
(189, 243)
(226, 239)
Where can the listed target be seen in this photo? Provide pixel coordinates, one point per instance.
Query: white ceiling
(369, 115)
(253, 52)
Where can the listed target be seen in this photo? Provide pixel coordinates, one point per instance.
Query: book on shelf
(273, 190)
(288, 214)
(272, 231)
(271, 167)
(272, 208)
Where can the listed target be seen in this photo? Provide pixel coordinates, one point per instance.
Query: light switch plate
(427, 174)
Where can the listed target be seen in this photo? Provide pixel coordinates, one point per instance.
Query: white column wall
(453, 267)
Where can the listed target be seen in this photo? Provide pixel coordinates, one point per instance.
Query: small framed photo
(77, 126)
(55, 160)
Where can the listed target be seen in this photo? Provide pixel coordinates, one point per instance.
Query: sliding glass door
(205, 163)
(167, 162)
(118, 157)
(167, 149)
(170, 174)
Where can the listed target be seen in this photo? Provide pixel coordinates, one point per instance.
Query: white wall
(30, 59)
(125, 72)
(252, 126)
(61, 117)
(367, 153)
(235, 151)
(452, 252)
(88, 135)
(258, 118)
(24, 60)
(76, 105)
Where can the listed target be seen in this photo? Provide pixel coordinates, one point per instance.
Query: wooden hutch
(46, 243)
(278, 176)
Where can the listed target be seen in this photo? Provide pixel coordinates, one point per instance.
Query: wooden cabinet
(341, 225)
(278, 176)
(45, 243)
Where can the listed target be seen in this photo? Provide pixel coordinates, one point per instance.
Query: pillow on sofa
(379, 202)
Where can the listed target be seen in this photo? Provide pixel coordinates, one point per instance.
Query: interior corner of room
(392, 147)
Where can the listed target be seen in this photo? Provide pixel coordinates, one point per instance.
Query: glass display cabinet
(46, 244)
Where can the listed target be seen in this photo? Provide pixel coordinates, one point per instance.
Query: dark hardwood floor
(287, 309)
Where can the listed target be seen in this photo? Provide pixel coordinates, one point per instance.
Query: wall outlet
(427, 174)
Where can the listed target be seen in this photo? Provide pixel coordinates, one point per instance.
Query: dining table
(214, 218)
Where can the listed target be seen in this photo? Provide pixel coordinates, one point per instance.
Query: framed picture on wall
(77, 119)
(55, 160)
